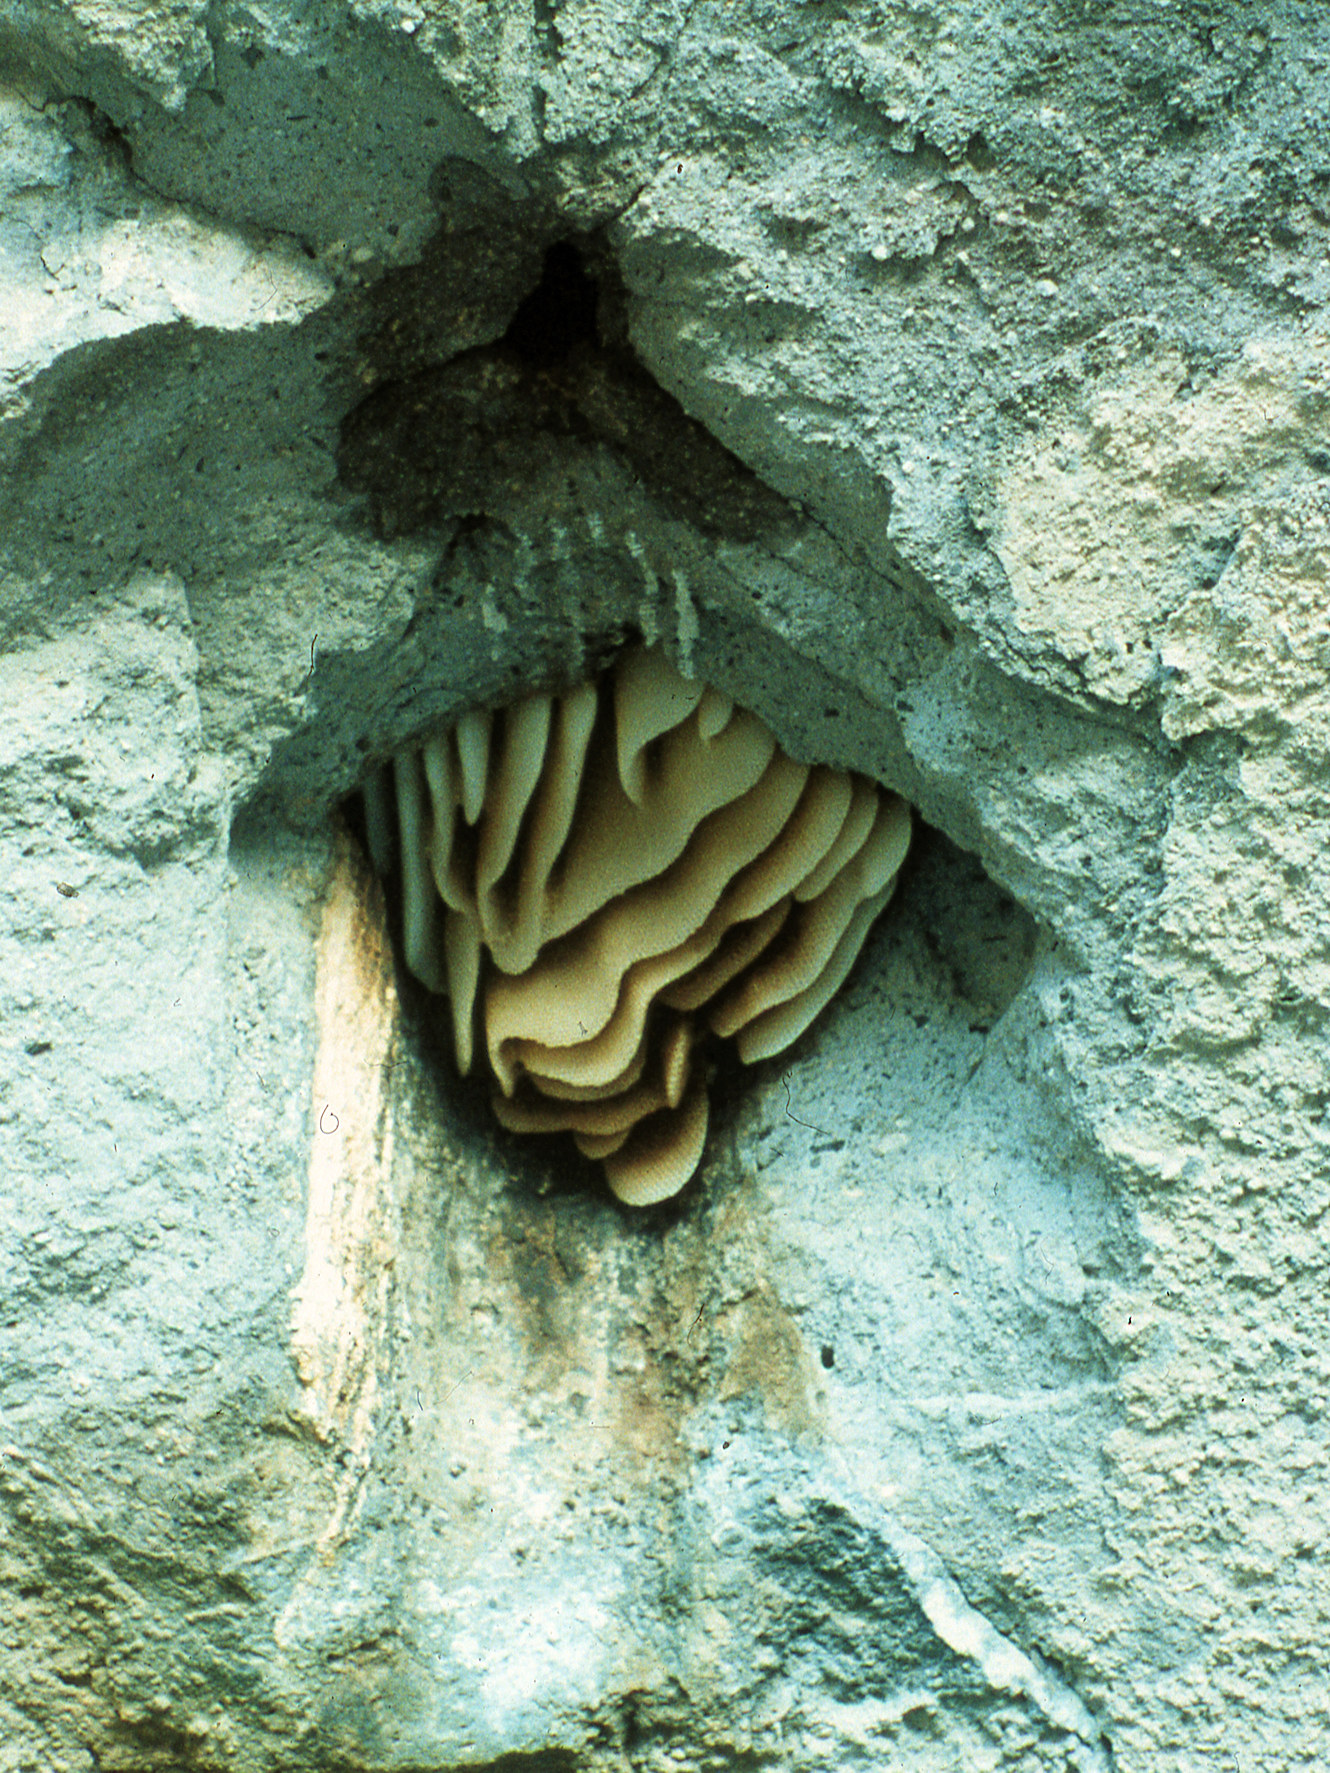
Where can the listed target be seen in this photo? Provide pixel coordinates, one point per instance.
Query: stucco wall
(958, 401)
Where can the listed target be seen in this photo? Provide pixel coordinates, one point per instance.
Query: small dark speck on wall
(828, 1356)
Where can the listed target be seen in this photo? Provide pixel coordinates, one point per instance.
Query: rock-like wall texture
(949, 385)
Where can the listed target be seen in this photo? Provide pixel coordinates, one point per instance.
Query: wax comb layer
(606, 880)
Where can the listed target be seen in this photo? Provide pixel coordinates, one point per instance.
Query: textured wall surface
(950, 386)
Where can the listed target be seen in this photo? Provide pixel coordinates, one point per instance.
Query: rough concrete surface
(949, 385)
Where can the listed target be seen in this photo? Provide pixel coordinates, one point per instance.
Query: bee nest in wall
(603, 881)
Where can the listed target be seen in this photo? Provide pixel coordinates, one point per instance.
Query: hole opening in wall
(730, 942)
(502, 446)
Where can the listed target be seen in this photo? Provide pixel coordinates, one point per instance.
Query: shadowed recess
(438, 439)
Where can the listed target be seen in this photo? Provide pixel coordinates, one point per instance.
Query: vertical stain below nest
(337, 1307)
(606, 882)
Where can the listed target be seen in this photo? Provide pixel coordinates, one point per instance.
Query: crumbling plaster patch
(83, 254)
(1174, 477)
